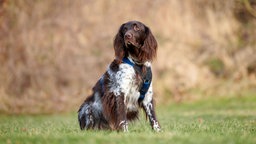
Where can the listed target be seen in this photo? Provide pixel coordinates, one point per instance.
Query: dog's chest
(127, 82)
(131, 99)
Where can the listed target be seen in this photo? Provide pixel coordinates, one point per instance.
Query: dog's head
(136, 40)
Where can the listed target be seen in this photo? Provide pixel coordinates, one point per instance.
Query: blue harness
(147, 78)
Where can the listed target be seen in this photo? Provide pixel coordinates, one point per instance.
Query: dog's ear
(150, 45)
(119, 45)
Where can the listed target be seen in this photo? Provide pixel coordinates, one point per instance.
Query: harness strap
(102, 84)
(147, 78)
(146, 84)
(127, 61)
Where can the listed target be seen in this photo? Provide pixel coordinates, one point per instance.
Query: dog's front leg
(121, 120)
(150, 112)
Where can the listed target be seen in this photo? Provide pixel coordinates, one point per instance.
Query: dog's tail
(85, 116)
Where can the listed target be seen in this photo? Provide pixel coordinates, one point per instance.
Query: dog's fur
(115, 97)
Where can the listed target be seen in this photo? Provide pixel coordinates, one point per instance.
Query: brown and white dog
(116, 96)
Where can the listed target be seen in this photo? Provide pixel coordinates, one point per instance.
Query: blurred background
(52, 52)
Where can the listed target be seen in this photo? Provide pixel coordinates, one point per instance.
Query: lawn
(223, 120)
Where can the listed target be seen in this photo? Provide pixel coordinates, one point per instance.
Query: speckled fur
(114, 101)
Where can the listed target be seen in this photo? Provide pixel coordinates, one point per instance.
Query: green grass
(225, 120)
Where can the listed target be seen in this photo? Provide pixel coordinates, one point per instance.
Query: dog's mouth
(130, 44)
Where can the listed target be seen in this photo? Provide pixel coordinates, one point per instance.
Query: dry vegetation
(52, 52)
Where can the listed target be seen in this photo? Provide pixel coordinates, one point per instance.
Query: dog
(126, 85)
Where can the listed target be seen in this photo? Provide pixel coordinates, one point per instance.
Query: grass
(225, 120)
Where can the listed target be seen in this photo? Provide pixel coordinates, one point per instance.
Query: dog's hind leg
(90, 114)
(85, 116)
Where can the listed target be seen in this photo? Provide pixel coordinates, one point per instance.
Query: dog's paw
(124, 126)
(156, 127)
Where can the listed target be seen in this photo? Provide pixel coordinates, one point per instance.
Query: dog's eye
(125, 29)
(136, 28)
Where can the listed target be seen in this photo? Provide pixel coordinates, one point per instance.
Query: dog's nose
(128, 35)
